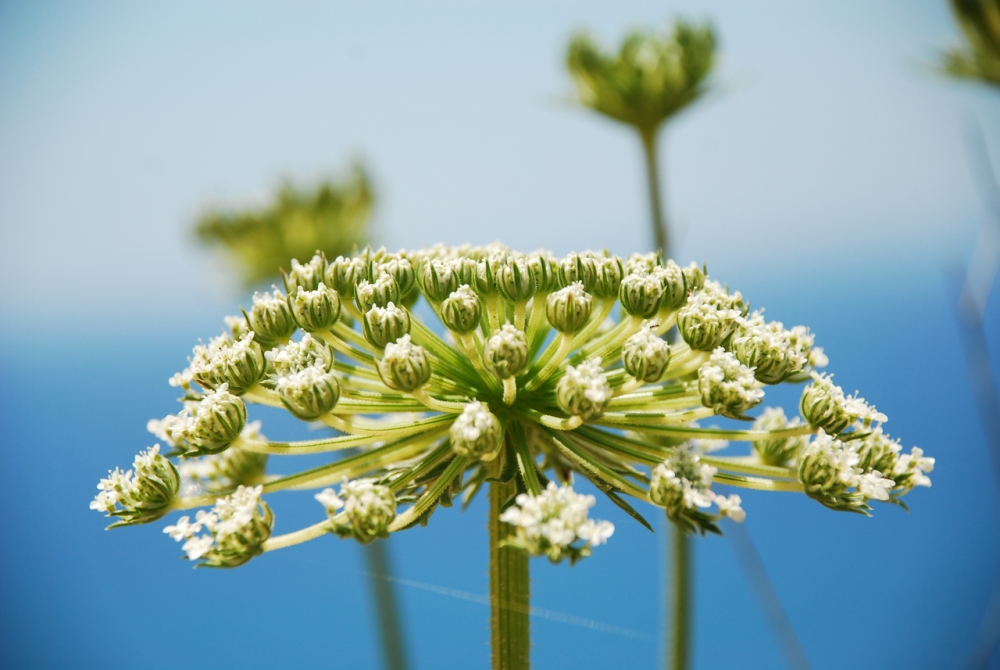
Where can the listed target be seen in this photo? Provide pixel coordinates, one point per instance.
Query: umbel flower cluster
(543, 369)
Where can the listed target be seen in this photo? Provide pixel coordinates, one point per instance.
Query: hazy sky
(828, 138)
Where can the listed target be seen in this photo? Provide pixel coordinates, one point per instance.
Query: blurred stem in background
(332, 218)
(649, 81)
(978, 59)
(261, 242)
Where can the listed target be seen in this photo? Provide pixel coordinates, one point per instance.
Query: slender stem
(298, 537)
(509, 391)
(681, 586)
(661, 231)
(510, 589)
(379, 570)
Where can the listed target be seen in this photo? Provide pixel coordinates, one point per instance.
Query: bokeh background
(827, 177)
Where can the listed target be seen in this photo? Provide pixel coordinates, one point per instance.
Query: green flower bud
(579, 268)
(825, 406)
(308, 276)
(206, 427)
(568, 309)
(461, 311)
(387, 324)
(467, 271)
(727, 386)
(309, 393)
(344, 274)
(682, 484)
(486, 275)
(368, 509)
(641, 295)
(383, 291)
(544, 272)
(438, 279)
(780, 450)
(584, 390)
(709, 317)
(476, 432)
(608, 278)
(506, 353)
(400, 270)
(271, 319)
(405, 366)
(514, 281)
(230, 468)
(768, 348)
(643, 264)
(238, 364)
(675, 288)
(646, 355)
(142, 494)
(315, 310)
(694, 277)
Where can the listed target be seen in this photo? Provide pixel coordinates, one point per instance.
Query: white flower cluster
(207, 426)
(774, 352)
(141, 494)
(476, 432)
(237, 527)
(709, 316)
(363, 509)
(824, 405)
(727, 386)
(555, 522)
(778, 450)
(223, 359)
(229, 468)
(682, 484)
(301, 355)
(584, 390)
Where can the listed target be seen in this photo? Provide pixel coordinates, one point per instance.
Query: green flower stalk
(651, 79)
(517, 390)
(979, 58)
(332, 217)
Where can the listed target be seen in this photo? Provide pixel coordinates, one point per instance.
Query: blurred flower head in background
(979, 57)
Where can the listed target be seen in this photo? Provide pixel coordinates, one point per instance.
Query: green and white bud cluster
(533, 369)
(555, 523)
(237, 526)
(363, 509)
(139, 495)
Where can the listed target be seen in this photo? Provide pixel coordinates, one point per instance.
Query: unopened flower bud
(506, 353)
(682, 484)
(579, 268)
(709, 317)
(768, 349)
(238, 364)
(727, 386)
(400, 270)
(543, 271)
(584, 390)
(367, 507)
(344, 274)
(778, 450)
(825, 406)
(232, 467)
(439, 279)
(644, 264)
(315, 310)
(466, 269)
(646, 355)
(829, 474)
(514, 281)
(206, 427)
(308, 393)
(297, 356)
(476, 432)
(487, 271)
(568, 309)
(694, 277)
(461, 310)
(387, 324)
(271, 319)
(404, 366)
(608, 277)
(641, 295)
(675, 288)
(380, 292)
(307, 276)
(139, 495)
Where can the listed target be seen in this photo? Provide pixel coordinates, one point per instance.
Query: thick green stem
(681, 586)
(379, 571)
(510, 590)
(661, 232)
